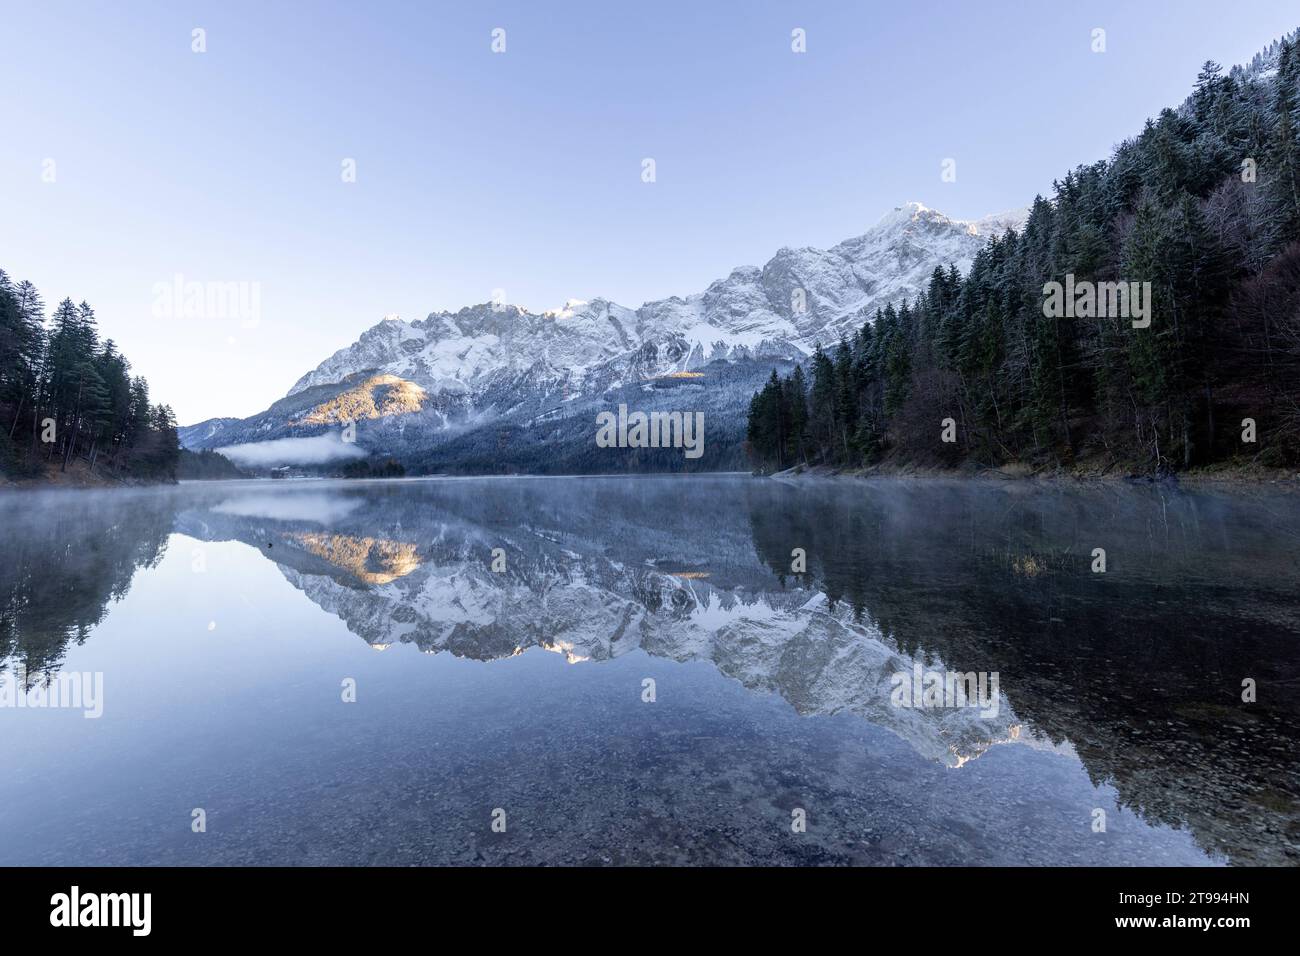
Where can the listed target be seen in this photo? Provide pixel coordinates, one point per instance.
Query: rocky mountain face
(496, 386)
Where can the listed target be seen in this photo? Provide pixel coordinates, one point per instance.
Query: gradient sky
(522, 171)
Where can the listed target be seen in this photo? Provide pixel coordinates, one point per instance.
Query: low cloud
(291, 451)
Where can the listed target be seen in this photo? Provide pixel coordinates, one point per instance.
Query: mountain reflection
(370, 560)
(1138, 670)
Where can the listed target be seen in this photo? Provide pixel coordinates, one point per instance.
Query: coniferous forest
(68, 401)
(1204, 204)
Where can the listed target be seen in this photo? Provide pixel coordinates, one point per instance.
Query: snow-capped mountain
(503, 366)
(752, 312)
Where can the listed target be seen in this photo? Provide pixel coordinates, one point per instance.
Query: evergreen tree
(64, 376)
(1172, 207)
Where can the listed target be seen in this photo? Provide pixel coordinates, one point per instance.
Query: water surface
(228, 621)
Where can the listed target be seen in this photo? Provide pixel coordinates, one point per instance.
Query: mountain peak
(911, 212)
(570, 307)
(492, 359)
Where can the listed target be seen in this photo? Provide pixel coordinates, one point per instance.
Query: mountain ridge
(850, 249)
(503, 364)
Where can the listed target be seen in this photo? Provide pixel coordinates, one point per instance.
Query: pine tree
(846, 400)
(821, 404)
(1172, 207)
(797, 401)
(63, 374)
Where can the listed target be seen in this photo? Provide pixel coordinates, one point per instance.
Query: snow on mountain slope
(752, 312)
(205, 434)
(496, 365)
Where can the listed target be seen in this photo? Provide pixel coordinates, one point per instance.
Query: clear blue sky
(522, 171)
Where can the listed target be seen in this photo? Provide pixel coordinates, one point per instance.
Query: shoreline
(78, 477)
(1212, 476)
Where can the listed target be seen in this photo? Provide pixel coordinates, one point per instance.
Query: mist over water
(226, 617)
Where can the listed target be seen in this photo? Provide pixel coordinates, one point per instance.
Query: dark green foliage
(374, 468)
(65, 395)
(206, 465)
(1204, 204)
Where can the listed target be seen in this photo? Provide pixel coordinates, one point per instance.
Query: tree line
(68, 397)
(1204, 205)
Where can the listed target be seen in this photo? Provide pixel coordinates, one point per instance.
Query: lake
(691, 669)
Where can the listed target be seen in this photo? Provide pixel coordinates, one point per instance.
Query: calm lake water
(628, 670)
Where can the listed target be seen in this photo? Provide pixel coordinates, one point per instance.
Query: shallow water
(228, 621)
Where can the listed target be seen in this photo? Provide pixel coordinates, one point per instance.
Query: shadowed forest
(1204, 204)
(68, 398)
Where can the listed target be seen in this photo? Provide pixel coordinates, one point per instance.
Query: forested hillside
(68, 400)
(1204, 204)
(206, 465)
